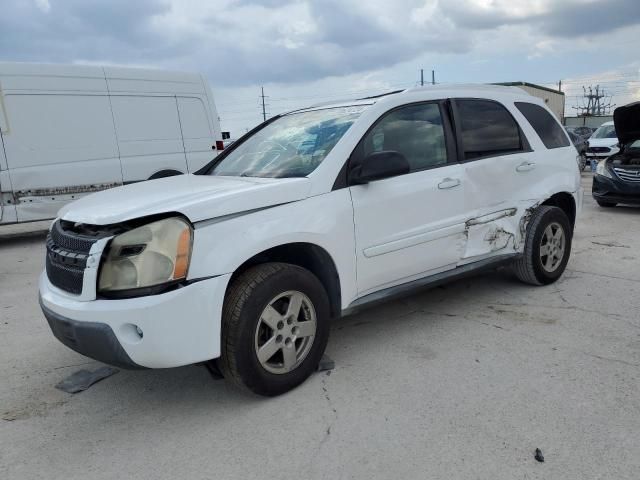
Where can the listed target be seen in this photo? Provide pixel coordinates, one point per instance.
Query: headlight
(602, 170)
(149, 256)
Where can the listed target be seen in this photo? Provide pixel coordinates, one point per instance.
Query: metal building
(553, 98)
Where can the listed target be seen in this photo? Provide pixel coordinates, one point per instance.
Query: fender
(220, 248)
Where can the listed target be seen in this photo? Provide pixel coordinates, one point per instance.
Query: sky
(305, 52)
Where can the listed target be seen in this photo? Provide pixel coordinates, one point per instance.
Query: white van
(69, 130)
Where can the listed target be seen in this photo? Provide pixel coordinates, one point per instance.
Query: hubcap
(285, 332)
(552, 245)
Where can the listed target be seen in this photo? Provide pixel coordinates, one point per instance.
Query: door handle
(525, 167)
(448, 183)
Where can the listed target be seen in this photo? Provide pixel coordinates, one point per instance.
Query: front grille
(628, 175)
(69, 240)
(66, 259)
(66, 278)
(598, 150)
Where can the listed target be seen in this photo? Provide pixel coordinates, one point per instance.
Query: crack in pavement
(606, 276)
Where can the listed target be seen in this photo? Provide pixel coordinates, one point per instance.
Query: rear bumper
(179, 327)
(615, 191)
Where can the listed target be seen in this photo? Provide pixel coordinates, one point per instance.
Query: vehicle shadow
(194, 388)
(15, 238)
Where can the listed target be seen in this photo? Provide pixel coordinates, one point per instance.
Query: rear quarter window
(547, 127)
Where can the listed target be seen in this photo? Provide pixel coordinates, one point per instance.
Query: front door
(412, 225)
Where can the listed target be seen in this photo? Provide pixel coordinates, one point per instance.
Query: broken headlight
(153, 255)
(602, 169)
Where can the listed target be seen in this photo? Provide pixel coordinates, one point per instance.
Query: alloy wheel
(285, 332)
(552, 247)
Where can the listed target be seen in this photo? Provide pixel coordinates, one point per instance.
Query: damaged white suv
(311, 215)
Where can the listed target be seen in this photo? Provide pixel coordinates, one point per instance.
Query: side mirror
(377, 166)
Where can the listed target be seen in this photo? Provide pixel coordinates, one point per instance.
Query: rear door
(149, 136)
(411, 225)
(498, 170)
(197, 132)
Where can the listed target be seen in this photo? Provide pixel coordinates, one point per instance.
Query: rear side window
(547, 128)
(487, 129)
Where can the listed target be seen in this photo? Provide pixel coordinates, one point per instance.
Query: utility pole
(433, 77)
(596, 103)
(264, 107)
(422, 77)
(560, 86)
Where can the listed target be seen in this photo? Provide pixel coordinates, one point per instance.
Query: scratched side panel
(58, 145)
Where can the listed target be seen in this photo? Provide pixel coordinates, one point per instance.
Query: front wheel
(606, 204)
(275, 327)
(547, 247)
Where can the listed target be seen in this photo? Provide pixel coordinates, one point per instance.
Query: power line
(595, 102)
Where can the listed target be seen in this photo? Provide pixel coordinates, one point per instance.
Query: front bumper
(601, 155)
(597, 156)
(615, 190)
(178, 328)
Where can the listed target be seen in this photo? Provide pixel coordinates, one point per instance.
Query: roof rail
(380, 95)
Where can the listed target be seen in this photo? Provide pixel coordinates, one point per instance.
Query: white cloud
(43, 5)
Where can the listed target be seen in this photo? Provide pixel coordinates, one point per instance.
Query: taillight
(219, 145)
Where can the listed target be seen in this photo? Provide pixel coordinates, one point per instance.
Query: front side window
(605, 131)
(415, 131)
(547, 128)
(290, 146)
(487, 129)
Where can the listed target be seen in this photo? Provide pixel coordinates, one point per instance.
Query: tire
(530, 268)
(245, 331)
(606, 204)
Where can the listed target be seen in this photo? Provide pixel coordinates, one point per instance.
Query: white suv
(312, 215)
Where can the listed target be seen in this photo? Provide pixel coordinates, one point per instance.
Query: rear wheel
(547, 247)
(275, 328)
(606, 204)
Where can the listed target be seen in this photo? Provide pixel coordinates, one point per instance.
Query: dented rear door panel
(59, 147)
(60, 140)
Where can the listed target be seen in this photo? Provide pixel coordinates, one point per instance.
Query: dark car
(617, 179)
(581, 146)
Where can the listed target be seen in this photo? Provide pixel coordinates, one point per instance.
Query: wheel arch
(565, 202)
(310, 256)
(165, 173)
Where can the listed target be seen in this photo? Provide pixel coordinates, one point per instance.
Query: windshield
(605, 131)
(291, 146)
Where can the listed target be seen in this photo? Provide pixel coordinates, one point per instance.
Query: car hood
(198, 197)
(627, 122)
(603, 142)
